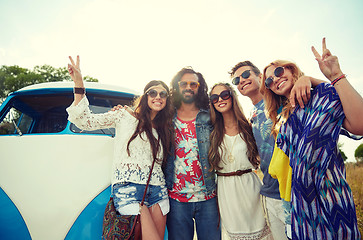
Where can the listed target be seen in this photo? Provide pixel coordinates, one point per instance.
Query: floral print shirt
(189, 183)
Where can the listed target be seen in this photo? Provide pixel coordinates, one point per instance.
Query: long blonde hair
(244, 129)
(273, 101)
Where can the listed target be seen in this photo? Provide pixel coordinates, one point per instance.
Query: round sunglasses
(246, 74)
(226, 94)
(193, 85)
(153, 93)
(279, 71)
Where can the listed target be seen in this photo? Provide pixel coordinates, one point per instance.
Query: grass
(355, 181)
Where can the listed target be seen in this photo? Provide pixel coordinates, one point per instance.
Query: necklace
(230, 153)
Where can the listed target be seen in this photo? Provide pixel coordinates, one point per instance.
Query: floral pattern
(189, 183)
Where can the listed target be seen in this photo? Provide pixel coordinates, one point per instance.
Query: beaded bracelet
(337, 79)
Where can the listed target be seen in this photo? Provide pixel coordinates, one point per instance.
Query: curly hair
(161, 123)
(244, 129)
(242, 64)
(273, 101)
(202, 100)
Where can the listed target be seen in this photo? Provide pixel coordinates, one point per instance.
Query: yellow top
(280, 169)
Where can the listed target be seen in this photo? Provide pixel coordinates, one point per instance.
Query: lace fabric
(134, 168)
(264, 234)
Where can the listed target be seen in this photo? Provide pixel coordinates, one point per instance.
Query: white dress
(239, 202)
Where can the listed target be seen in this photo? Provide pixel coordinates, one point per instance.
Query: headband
(155, 86)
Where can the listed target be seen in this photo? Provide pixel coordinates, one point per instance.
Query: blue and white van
(54, 178)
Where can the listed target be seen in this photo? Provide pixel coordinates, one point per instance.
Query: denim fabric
(203, 128)
(127, 196)
(180, 222)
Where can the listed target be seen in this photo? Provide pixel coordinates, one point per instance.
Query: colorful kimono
(322, 201)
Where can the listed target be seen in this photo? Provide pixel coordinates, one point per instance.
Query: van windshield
(46, 113)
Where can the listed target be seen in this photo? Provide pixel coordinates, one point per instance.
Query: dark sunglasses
(279, 71)
(153, 93)
(226, 94)
(246, 74)
(193, 85)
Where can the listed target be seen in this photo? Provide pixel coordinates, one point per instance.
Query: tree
(13, 78)
(340, 145)
(358, 153)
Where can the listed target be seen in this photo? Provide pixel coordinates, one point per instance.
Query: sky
(128, 43)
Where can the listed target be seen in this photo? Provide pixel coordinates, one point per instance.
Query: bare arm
(85, 119)
(75, 72)
(352, 105)
(301, 90)
(351, 100)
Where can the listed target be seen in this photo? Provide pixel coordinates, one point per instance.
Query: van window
(36, 114)
(14, 122)
(46, 113)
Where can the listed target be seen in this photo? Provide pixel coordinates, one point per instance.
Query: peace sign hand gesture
(328, 64)
(75, 72)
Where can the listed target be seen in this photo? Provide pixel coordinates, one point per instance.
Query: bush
(358, 154)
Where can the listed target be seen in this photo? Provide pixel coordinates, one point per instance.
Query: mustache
(188, 91)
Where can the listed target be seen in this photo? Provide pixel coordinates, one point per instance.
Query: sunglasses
(279, 71)
(153, 93)
(193, 85)
(246, 74)
(226, 94)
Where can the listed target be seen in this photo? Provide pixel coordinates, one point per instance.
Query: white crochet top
(134, 168)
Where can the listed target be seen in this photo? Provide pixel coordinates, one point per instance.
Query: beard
(190, 98)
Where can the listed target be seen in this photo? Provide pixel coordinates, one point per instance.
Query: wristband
(79, 90)
(337, 79)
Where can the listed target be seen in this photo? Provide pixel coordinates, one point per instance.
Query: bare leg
(159, 219)
(148, 227)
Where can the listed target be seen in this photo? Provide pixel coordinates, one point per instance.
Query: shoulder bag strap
(147, 183)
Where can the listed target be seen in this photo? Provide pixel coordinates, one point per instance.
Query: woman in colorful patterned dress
(233, 154)
(141, 136)
(322, 201)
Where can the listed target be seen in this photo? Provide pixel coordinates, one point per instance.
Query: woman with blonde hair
(322, 202)
(233, 155)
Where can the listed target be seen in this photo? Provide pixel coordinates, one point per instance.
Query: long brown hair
(273, 101)
(161, 123)
(201, 101)
(244, 129)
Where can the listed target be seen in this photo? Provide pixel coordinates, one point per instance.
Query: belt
(236, 173)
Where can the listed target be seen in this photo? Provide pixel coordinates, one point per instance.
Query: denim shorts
(127, 197)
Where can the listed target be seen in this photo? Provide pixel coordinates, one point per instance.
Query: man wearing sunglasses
(247, 77)
(192, 188)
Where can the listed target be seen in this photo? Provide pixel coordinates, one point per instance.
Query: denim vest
(203, 129)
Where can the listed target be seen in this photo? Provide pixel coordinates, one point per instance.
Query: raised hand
(75, 72)
(328, 64)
